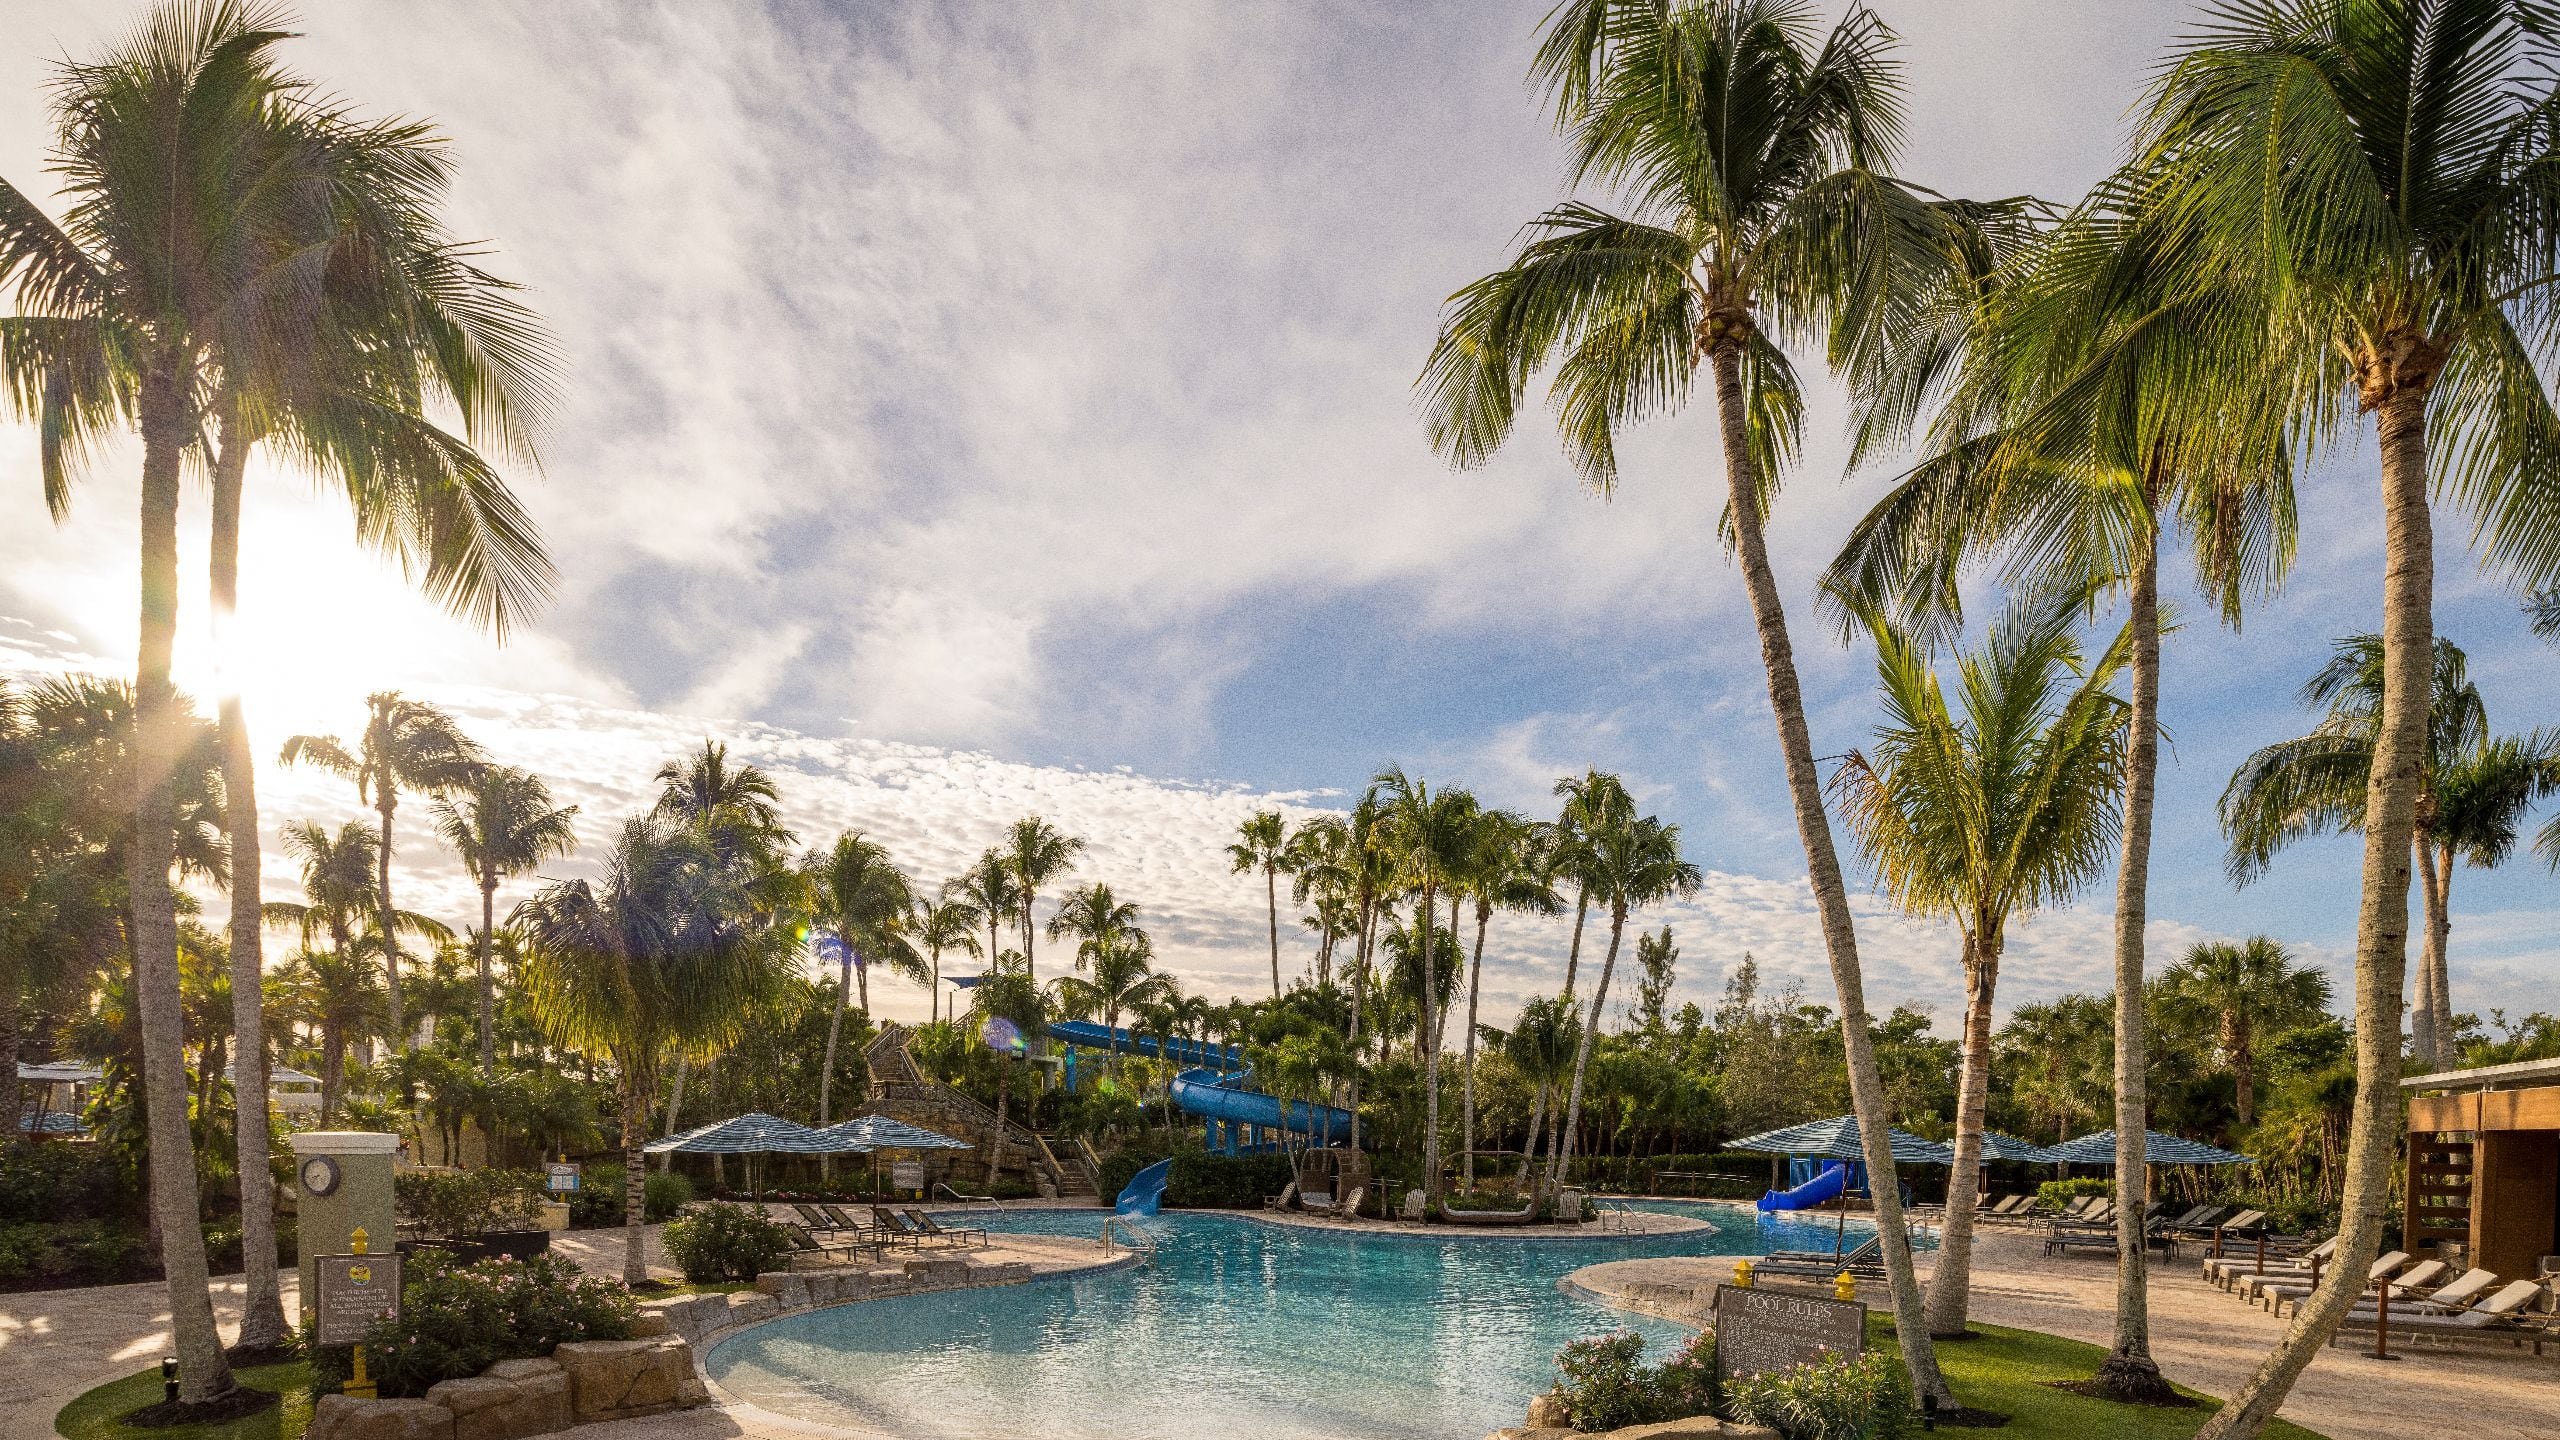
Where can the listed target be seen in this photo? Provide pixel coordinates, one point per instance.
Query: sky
(977, 411)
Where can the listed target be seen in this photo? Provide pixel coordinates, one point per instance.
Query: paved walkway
(2211, 1341)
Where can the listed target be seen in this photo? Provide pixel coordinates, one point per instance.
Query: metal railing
(987, 1200)
(1126, 1233)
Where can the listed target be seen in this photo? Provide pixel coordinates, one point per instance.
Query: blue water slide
(1823, 1188)
(1218, 1096)
(1144, 1195)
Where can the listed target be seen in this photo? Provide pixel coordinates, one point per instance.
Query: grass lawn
(2006, 1372)
(93, 1415)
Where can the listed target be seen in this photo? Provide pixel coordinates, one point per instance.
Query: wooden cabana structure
(2484, 1164)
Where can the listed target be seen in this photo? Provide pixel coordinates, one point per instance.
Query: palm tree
(1425, 838)
(736, 806)
(664, 955)
(1322, 874)
(859, 895)
(1262, 843)
(1504, 870)
(949, 923)
(1752, 149)
(1593, 801)
(502, 823)
(340, 902)
(1122, 967)
(989, 888)
(2473, 793)
(2383, 166)
(336, 994)
(1540, 1046)
(1999, 804)
(2062, 1050)
(406, 744)
(2245, 991)
(1008, 1008)
(1036, 853)
(1633, 864)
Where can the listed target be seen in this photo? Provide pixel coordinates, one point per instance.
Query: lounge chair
(2406, 1287)
(897, 1227)
(2450, 1298)
(839, 1218)
(2497, 1316)
(2224, 1270)
(819, 1221)
(2273, 1291)
(1865, 1259)
(956, 1234)
(807, 1246)
(2199, 1223)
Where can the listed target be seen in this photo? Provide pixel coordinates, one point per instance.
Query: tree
(1752, 148)
(1424, 838)
(2063, 1051)
(1262, 843)
(340, 902)
(1633, 864)
(1541, 1047)
(2246, 990)
(1504, 869)
(1658, 961)
(405, 745)
(1035, 853)
(1121, 967)
(949, 923)
(665, 954)
(858, 893)
(1593, 802)
(2001, 803)
(735, 806)
(2473, 794)
(1323, 872)
(989, 888)
(2384, 164)
(1007, 1008)
(502, 823)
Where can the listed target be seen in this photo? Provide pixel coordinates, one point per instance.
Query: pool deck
(2203, 1337)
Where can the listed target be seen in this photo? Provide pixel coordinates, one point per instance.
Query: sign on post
(1758, 1331)
(560, 1179)
(355, 1291)
(907, 1175)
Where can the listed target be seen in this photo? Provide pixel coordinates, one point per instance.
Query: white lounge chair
(2404, 1286)
(2274, 1290)
(2495, 1317)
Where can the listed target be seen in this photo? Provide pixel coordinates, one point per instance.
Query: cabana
(2484, 1165)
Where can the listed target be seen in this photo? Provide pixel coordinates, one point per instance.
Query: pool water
(1234, 1328)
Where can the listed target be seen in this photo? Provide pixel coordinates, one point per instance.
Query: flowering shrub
(1868, 1398)
(1604, 1384)
(458, 1319)
(725, 1242)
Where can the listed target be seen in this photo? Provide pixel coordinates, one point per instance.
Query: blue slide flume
(1214, 1085)
(1144, 1195)
(1823, 1188)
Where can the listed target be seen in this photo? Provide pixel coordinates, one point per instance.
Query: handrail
(1131, 1235)
(946, 1189)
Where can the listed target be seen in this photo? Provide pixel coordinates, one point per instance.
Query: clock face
(319, 1175)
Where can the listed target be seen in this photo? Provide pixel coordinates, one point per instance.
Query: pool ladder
(1126, 1233)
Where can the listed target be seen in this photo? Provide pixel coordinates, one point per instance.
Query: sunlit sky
(972, 411)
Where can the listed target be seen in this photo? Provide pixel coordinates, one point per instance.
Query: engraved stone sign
(355, 1291)
(907, 1175)
(1758, 1331)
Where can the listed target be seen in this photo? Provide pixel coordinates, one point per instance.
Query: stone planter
(582, 1382)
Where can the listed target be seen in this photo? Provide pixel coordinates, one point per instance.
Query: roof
(2487, 1077)
(882, 1132)
(61, 1072)
(2157, 1149)
(1996, 1146)
(1838, 1137)
(754, 1133)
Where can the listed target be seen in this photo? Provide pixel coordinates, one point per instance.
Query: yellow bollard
(360, 1385)
(1845, 1286)
(1742, 1274)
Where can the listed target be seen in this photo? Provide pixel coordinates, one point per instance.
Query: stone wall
(704, 1318)
(581, 1382)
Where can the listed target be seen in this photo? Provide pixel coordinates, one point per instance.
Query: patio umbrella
(752, 1134)
(2159, 1149)
(881, 1132)
(1996, 1146)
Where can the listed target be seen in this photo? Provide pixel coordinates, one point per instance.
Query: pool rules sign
(355, 1291)
(1758, 1331)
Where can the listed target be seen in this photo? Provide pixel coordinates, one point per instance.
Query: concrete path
(2211, 1340)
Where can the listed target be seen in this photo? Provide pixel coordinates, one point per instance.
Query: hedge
(1201, 1179)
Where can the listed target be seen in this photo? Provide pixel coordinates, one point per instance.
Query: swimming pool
(1234, 1328)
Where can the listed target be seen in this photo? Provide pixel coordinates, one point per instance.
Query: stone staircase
(899, 1088)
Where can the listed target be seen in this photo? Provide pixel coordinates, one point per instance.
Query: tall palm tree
(1362, 843)
(1504, 870)
(1262, 843)
(989, 887)
(1036, 852)
(1008, 1008)
(2473, 792)
(2383, 164)
(502, 823)
(861, 898)
(1321, 875)
(1999, 803)
(336, 993)
(340, 902)
(1634, 864)
(1425, 837)
(1540, 1046)
(2245, 990)
(1752, 149)
(1593, 801)
(405, 745)
(948, 923)
(1121, 967)
(736, 806)
(2061, 1051)
(665, 954)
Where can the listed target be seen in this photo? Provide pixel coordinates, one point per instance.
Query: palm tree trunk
(2439, 961)
(2422, 1006)
(13, 1097)
(1537, 1132)
(175, 1200)
(635, 1180)
(1475, 974)
(2382, 925)
(333, 1069)
(262, 1324)
(1573, 952)
(2129, 1373)
(1027, 968)
(1359, 982)
(488, 984)
(1562, 1161)
(1822, 862)
(1271, 894)
(995, 1143)
(1428, 1020)
(2244, 1067)
(675, 1107)
(1950, 1290)
(827, 1068)
(386, 803)
(933, 1002)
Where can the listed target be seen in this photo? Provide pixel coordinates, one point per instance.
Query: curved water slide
(1216, 1085)
(1822, 1189)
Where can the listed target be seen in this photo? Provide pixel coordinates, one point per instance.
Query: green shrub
(1604, 1384)
(1836, 1398)
(66, 1183)
(1202, 1179)
(2055, 1194)
(47, 1255)
(458, 1319)
(725, 1242)
(597, 1202)
(461, 1204)
(223, 1250)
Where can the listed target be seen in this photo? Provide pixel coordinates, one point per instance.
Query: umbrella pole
(1840, 1226)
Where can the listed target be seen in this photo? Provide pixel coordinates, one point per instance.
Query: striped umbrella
(2158, 1149)
(882, 1132)
(1996, 1146)
(1838, 1137)
(752, 1134)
